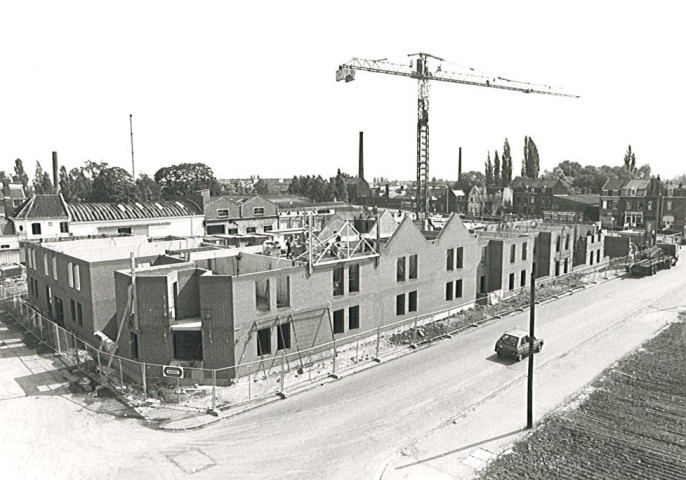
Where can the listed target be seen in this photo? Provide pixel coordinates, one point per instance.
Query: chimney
(388, 190)
(459, 164)
(360, 173)
(55, 172)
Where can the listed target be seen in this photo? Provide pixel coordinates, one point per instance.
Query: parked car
(515, 344)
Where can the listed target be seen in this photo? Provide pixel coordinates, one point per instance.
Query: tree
(41, 181)
(186, 179)
(644, 171)
(147, 189)
(340, 192)
(506, 167)
(489, 170)
(496, 169)
(20, 175)
(262, 187)
(530, 164)
(630, 160)
(114, 184)
(469, 179)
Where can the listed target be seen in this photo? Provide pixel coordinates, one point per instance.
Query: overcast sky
(249, 87)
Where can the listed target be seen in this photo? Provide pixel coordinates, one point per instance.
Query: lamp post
(530, 379)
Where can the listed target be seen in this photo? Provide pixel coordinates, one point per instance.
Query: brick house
(240, 215)
(532, 196)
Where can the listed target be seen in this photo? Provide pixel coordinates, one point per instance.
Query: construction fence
(287, 371)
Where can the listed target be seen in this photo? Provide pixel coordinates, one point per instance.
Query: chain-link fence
(287, 371)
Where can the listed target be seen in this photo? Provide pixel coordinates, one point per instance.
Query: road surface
(352, 428)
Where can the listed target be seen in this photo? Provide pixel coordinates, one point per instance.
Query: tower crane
(418, 67)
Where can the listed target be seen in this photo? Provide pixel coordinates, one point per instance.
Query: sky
(249, 87)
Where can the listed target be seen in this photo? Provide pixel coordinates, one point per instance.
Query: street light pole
(530, 380)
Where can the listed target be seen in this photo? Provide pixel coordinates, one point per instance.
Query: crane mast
(418, 68)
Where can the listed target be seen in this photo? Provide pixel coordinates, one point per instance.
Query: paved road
(352, 428)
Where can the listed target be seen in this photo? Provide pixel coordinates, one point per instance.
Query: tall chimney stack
(459, 164)
(360, 172)
(55, 172)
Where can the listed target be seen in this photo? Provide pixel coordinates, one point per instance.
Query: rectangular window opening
(459, 254)
(354, 278)
(283, 340)
(412, 301)
(264, 341)
(400, 304)
(511, 282)
(354, 317)
(522, 280)
(283, 292)
(338, 322)
(513, 253)
(458, 288)
(449, 291)
(262, 295)
(413, 267)
(400, 270)
(450, 259)
(338, 281)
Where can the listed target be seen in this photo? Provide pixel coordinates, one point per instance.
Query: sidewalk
(461, 448)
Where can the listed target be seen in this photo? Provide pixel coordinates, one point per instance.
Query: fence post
(99, 364)
(40, 325)
(283, 367)
(57, 336)
(414, 332)
(76, 346)
(121, 374)
(334, 357)
(214, 388)
(378, 339)
(145, 384)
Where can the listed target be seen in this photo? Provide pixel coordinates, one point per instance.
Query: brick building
(251, 308)
(50, 216)
(71, 281)
(238, 214)
(506, 262)
(532, 196)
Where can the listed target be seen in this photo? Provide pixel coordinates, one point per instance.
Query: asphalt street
(385, 421)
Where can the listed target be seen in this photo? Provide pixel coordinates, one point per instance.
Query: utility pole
(530, 382)
(133, 165)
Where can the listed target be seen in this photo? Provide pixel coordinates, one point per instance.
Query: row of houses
(186, 302)
(643, 204)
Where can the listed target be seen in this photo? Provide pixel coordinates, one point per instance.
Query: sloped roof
(6, 227)
(638, 184)
(614, 184)
(535, 182)
(42, 206)
(585, 198)
(94, 212)
(15, 191)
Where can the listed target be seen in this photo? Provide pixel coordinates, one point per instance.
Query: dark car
(515, 344)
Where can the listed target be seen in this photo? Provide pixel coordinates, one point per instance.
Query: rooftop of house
(94, 212)
(585, 198)
(535, 182)
(43, 206)
(614, 184)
